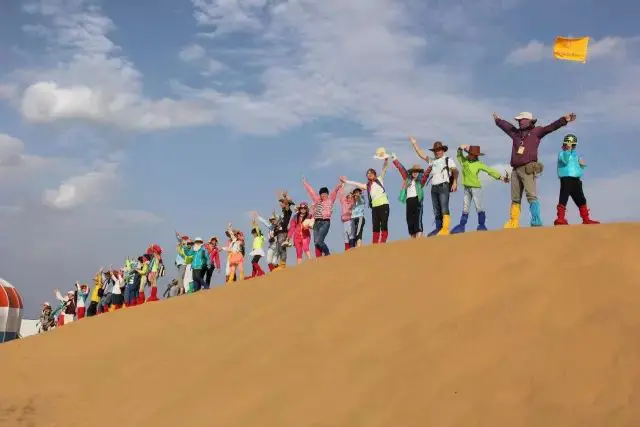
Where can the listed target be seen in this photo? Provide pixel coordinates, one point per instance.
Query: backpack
(377, 181)
(446, 166)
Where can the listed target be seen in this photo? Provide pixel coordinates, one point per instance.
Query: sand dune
(534, 327)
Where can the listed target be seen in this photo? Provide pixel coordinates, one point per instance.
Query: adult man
(282, 228)
(524, 161)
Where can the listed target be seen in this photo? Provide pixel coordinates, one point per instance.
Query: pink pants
(302, 245)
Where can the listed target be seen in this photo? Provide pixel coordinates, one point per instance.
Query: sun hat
(439, 146)
(415, 168)
(381, 154)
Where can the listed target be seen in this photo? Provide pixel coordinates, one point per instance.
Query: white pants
(474, 194)
(347, 232)
(188, 277)
(68, 318)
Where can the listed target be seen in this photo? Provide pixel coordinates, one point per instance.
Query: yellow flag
(571, 49)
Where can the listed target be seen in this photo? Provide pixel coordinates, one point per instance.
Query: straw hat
(381, 154)
(416, 168)
(474, 150)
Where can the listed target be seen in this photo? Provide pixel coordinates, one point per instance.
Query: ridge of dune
(530, 327)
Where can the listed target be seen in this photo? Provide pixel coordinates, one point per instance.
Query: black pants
(92, 310)
(414, 215)
(208, 274)
(571, 187)
(198, 279)
(380, 218)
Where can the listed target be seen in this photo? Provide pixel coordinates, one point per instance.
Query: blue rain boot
(438, 227)
(482, 217)
(460, 227)
(534, 209)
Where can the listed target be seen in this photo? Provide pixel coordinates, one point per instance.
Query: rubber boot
(154, 294)
(561, 215)
(584, 214)
(446, 221)
(437, 229)
(282, 264)
(482, 218)
(231, 277)
(376, 237)
(514, 219)
(241, 276)
(271, 267)
(384, 235)
(352, 243)
(347, 246)
(460, 228)
(534, 210)
(318, 252)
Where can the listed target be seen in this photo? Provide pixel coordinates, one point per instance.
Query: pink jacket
(346, 205)
(296, 230)
(327, 205)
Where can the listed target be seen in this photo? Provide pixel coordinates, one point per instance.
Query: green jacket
(472, 168)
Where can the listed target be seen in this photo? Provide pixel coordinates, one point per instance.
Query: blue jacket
(200, 258)
(357, 210)
(568, 165)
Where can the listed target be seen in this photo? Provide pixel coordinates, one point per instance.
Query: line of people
(298, 224)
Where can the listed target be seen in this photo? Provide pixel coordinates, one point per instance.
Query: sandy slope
(509, 328)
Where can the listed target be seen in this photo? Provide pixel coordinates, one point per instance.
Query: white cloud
(192, 53)
(605, 48)
(14, 159)
(82, 189)
(93, 81)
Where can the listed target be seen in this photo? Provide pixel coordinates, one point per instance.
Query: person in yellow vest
(96, 294)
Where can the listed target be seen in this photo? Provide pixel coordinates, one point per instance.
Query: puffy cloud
(82, 189)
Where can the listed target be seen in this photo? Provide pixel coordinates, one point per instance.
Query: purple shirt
(528, 138)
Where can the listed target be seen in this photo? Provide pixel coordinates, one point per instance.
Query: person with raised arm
(272, 249)
(346, 203)
(444, 181)
(525, 140)
(300, 231)
(256, 248)
(412, 193)
(378, 201)
(282, 228)
(321, 211)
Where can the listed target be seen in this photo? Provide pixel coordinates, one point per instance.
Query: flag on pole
(571, 49)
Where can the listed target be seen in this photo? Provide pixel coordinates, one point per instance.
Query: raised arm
(554, 126)
(385, 168)
(418, 150)
(263, 221)
(506, 127)
(334, 192)
(310, 190)
(354, 183)
(400, 167)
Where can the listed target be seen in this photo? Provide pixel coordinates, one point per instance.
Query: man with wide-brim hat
(412, 195)
(282, 228)
(444, 180)
(525, 140)
(471, 167)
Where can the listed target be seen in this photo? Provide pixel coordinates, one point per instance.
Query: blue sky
(121, 122)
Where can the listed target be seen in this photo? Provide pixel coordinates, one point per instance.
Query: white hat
(381, 154)
(198, 239)
(46, 304)
(524, 115)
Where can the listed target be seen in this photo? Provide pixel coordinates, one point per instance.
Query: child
(346, 201)
(378, 201)
(471, 168)
(322, 211)
(235, 258)
(299, 231)
(357, 217)
(272, 250)
(570, 170)
(256, 249)
(142, 270)
(412, 195)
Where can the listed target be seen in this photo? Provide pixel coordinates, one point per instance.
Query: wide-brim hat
(381, 154)
(213, 238)
(283, 200)
(416, 168)
(474, 150)
(437, 146)
(198, 239)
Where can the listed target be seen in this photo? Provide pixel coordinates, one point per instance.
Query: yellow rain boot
(514, 220)
(231, 277)
(241, 276)
(282, 264)
(446, 221)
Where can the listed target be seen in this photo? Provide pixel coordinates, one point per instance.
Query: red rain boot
(141, 298)
(383, 236)
(154, 294)
(318, 253)
(259, 270)
(584, 214)
(271, 267)
(376, 237)
(347, 246)
(562, 218)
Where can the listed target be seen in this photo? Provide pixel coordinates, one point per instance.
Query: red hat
(185, 238)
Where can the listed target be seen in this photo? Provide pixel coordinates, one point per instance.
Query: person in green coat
(471, 168)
